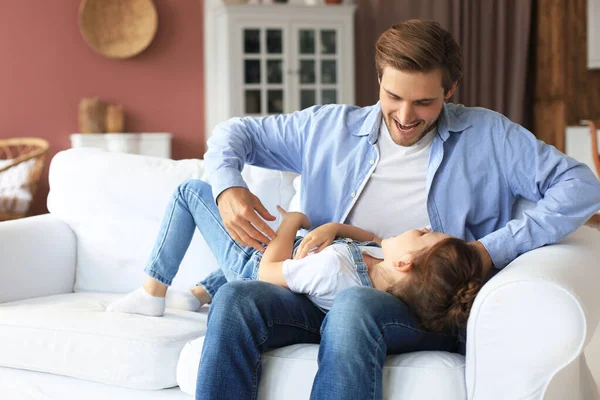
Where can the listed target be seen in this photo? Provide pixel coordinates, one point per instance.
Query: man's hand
(243, 215)
(486, 260)
(320, 238)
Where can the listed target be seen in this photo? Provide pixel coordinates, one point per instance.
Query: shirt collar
(448, 122)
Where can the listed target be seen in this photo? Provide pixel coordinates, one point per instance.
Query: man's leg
(362, 327)
(245, 319)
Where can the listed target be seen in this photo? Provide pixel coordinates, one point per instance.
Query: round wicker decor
(118, 28)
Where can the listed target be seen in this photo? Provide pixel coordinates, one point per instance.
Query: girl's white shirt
(323, 275)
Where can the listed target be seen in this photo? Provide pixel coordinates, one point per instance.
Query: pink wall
(46, 67)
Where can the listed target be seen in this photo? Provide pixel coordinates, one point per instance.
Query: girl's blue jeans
(248, 317)
(192, 206)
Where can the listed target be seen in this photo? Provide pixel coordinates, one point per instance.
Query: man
(457, 169)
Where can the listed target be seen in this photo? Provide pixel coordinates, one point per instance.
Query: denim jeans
(192, 205)
(362, 327)
(248, 317)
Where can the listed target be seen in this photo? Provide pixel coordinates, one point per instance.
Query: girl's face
(402, 247)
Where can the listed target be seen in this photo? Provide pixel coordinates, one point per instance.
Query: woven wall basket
(118, 28)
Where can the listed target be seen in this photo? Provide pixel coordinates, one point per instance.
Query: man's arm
(281, 248)
(565, 191)
(275, 142)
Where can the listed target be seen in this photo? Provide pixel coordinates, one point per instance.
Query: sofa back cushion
(115, 202)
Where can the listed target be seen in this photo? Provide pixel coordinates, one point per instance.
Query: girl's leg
(191, 206)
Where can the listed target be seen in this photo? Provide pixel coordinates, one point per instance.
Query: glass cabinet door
(263, 70)
(316, 51)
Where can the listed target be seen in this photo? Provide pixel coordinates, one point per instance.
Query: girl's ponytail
(442, 285)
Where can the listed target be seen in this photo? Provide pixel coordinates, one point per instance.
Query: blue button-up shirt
(480, 164)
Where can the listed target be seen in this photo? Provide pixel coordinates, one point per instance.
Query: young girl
(434, 274)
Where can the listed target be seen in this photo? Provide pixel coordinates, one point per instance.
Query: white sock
(139, 302)
(182, 300)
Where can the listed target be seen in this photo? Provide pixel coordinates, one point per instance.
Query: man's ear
(403, 265)
(451, 91)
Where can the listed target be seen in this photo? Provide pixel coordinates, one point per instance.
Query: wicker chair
(21, 164)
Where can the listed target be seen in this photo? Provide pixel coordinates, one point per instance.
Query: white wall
(578, 144)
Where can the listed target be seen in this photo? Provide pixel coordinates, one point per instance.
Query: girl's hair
(442, 285)
(417, 45)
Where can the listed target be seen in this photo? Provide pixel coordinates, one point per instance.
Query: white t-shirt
(394, 199)
(323, 275)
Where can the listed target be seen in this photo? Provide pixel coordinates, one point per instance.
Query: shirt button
(372, 162)
(353, 194)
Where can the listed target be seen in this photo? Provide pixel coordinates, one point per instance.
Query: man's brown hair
(417, 45)
(442, 285)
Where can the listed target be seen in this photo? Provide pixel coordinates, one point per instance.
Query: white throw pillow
(115, 203)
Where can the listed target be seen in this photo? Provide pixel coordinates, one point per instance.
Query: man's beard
(428, 128)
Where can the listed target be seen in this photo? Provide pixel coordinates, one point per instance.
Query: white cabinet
(265, 59)
(593, 37)
(147, 144)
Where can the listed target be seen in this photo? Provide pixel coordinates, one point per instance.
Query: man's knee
(348, 311)
(240, 295)
(235, 293)
(354, 299)
(240, 302)
(197, 186)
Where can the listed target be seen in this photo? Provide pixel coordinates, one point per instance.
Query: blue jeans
(362, 327)
(192, 206)
(249, 317)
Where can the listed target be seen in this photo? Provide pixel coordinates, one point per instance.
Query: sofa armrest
(38, 258)
(534, 318)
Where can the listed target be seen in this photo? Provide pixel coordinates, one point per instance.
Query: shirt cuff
(501, 247)
(225, 178)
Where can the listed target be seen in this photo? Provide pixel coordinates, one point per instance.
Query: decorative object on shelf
(115, 118)
(333, 1)
(92, 115)
(118, 28)
(21, 164)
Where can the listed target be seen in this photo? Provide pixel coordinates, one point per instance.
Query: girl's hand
(300, 218)
(320, 238)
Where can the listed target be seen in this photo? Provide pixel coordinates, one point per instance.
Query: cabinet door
(262, 69)
(316, 55)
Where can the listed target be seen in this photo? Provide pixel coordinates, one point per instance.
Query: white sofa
(528, 331)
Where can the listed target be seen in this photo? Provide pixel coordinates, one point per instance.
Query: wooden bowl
(118, 28)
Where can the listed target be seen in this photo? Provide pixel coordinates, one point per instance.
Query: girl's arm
(324, 235)
(355, 233)
(281, 247)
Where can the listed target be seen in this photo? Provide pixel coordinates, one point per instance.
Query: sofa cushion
(72, 335)
(288, 373)
(115, 202)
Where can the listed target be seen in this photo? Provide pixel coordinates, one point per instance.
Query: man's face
(411, 103)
